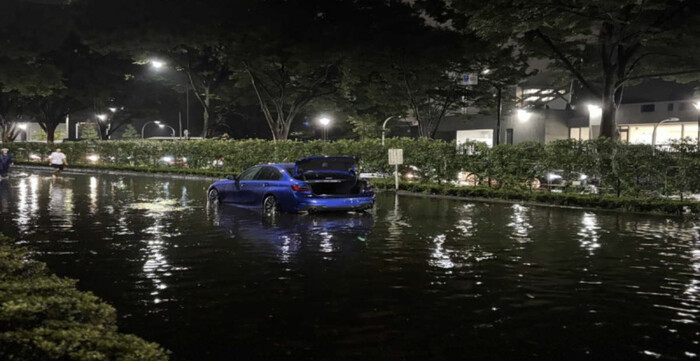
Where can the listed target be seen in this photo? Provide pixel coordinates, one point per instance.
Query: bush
(631, 204)
(44, 317)
(620, 169)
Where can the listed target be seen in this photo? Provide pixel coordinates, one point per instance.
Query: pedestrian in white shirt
(57, 160)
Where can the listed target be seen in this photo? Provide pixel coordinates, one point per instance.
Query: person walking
(6, 161)
(58, 160)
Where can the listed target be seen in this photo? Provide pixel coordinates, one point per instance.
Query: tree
(60, 133)
(290, 66)
(89, 131)
(195, 46)
(130, 133)
(418, 65)
(604, 44)
(28, 30)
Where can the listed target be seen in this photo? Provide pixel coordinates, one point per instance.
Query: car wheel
(213, 195)
(270, 206)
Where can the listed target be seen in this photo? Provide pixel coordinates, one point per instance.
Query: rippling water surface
(417, 279)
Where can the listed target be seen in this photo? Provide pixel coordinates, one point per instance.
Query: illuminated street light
(147, 123)
(523, 115)
(594, 111)
(23, 127)
(325, 122)
(102, 117)
(112, 109)
(157, 64)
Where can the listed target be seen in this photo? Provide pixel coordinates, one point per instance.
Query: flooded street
(413, 279)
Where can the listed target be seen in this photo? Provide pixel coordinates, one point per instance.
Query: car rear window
(346, 164)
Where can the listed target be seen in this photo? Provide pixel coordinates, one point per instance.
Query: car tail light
(297, 188)
(368, 186)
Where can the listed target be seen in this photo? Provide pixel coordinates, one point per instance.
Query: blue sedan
(318, 183)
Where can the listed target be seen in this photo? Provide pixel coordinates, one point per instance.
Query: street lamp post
(653, 133)
(171, 128)
(384, 126)
(157, 65)
(325, 122)
(102, 118)
(143, 134)
(23, 127)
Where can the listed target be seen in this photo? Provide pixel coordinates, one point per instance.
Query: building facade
(548, 114)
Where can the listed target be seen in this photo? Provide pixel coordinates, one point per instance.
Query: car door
(241, 189)
(265, 182)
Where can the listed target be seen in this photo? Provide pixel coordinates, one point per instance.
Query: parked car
(317, 183)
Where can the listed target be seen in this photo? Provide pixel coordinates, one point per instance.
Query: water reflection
(440, 257)
(329, 232)
(5, 196)
(93, 195)
(588, 232)
(520, 224)
(396, 221)
(61, 202)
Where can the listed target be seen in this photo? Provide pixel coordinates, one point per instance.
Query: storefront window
(690, 131)
(640, 134)
(666, 133)
(578, 133)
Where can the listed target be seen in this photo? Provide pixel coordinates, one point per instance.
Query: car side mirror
(231, 177)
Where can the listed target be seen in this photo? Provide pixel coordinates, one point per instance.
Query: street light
(157, 65)
(325, 122)
(171, 128)
(23, 127)
(653, 133)
(523, 115)
(144, 127)
(594, 111)
(384, 126)
(102, 117)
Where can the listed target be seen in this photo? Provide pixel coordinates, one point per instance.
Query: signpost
(396, 158)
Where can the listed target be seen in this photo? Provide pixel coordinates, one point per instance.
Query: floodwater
(415, 279)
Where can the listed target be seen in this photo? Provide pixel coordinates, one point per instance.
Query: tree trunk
(205, 116)
(608, 126)
(50, 135)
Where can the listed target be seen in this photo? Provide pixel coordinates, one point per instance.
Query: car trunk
(329, 176)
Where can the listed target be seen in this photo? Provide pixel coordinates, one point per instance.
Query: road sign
(470, 79)
(395, 156)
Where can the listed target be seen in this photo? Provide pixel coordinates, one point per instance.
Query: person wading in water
(6, 161)
(57, 160)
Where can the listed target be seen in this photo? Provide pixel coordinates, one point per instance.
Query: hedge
(619, 169)
(631, 204)
(45, 317)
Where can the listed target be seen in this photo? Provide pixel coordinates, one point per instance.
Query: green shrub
(620, 169)
(44, 317)
(632, 204)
